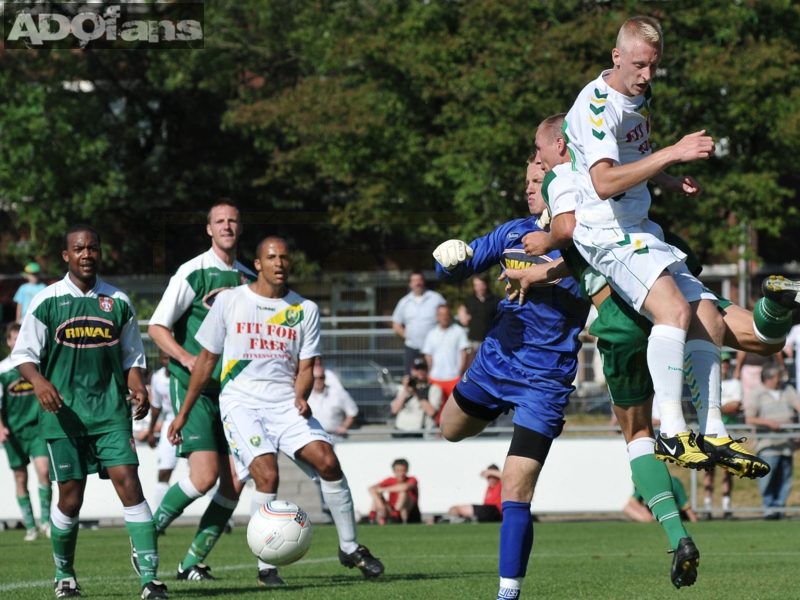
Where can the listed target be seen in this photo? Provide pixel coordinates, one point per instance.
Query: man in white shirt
(414, 316)
(333, 407)
(445, 351)
(792, 350)
(268, 338)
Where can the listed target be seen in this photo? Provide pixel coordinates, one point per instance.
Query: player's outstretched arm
(137, 393)
(46, 393)
(201, 375)
(610, 180)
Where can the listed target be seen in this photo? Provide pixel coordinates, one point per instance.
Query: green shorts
(76, 457)
(622, 342)
(722, 301)
(203, 430)
(23, 444)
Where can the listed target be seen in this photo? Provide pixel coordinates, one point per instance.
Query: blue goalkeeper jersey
(543, 332)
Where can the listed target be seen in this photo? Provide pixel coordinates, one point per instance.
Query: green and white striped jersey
(83, 344)
(188, 298)
(18, 404)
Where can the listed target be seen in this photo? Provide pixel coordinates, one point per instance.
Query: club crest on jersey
(87, 332)
(255, 440)
(292, 317)
(106, 303)
(210, 297)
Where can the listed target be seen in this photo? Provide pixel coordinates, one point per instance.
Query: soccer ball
(279, 533)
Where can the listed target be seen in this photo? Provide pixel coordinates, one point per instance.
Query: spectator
(445, 351)
(414, 316)
(477, 314)
(636, 509)
(773, 407)
(731, 404)
(160, 405)
(492, 508)
(748, 371)
(417, 402)
(333, 407)
(402, 505)
(28, 290)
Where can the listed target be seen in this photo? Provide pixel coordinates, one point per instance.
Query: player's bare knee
(203, 480)
(163, 476)
(328, 467)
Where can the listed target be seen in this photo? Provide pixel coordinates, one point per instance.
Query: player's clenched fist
(451, 253)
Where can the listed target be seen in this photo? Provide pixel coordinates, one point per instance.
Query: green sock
(211, 525)
(651, 478)
(64, 542)
(45, 498)
(171, 507)
(143, 535)
(27, 511)
(772, 320)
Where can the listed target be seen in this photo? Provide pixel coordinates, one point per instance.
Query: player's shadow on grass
(322, 581)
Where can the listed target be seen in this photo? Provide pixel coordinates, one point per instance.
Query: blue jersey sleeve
(487, 251)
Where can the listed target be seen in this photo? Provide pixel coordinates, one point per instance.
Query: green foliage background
(382, 126)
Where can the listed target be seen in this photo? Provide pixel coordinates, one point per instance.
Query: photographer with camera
(417, 401)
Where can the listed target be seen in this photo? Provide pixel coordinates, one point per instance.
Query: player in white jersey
(160, 405)
(608, 133)
(268, 337)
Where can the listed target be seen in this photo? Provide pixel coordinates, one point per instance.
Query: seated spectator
(636, 509)
(492, 508)
(773, 405)
(417, 402)
(332, 406)
(401, 506)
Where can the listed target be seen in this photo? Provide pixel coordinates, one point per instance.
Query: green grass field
(740, 559)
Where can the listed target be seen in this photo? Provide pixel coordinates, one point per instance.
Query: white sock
(138, 514)
(726, 503)
(511, 583)
(703, 375)
(641, 447)
(339, 500)
(159, 493)
(62, 521)
(257, 500)
(188, 488)
(665, 350)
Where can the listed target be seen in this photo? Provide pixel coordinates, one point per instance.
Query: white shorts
(253, 432)
(632, 258)
(167, 453)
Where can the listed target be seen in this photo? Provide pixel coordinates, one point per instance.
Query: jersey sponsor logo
(64, 466)
(512, 235)
(516, 258)
(87, 332)
(20, 387)
(106, 303)
(210, 297)
(290, 316)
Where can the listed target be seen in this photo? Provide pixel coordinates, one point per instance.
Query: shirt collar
(219, 263)
(77, 292)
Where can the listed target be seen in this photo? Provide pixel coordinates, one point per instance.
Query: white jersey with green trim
(561, 190)
(188, 298)
(261, 340)
(604, 124)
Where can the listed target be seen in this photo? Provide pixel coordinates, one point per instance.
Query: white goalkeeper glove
(451, 253)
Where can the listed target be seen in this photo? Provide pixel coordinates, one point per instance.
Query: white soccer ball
(279, 533)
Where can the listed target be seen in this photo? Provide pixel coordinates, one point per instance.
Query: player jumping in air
(608, 134)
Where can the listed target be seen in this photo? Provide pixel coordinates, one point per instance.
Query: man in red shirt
(492, 507)
(402, 505)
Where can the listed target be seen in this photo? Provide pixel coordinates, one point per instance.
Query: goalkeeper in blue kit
(527, 363)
